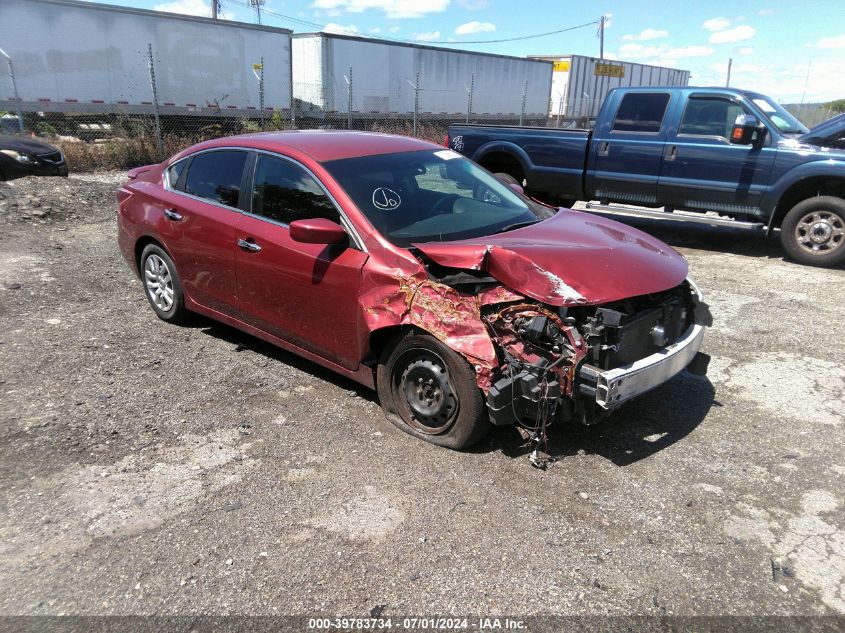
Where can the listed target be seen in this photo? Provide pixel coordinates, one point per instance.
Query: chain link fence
(811, 114)
(127, 132)
(145, 122)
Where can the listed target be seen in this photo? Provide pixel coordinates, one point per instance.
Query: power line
(319, 26)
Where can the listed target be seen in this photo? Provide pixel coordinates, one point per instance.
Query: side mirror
(744, 129)
(317, 231)
(517, 187)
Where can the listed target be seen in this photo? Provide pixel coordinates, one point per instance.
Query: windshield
(430, 196)
(779, 116)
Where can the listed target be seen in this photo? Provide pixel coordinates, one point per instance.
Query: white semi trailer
(394, 78)
(71, 56)
(580, 83)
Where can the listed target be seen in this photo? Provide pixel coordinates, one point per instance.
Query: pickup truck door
(627, 151)
(703, 171)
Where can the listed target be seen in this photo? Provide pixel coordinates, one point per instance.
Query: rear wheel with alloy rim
(813, 232)
(162, 285)
(429, 391)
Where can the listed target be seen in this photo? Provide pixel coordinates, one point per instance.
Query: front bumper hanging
(612, 387)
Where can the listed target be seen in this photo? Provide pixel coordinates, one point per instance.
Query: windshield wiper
(517, 225)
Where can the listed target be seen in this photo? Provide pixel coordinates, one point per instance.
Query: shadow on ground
(636, 431)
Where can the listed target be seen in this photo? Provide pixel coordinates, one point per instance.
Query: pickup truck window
(710, 116)
(779, 117)
(641, 112)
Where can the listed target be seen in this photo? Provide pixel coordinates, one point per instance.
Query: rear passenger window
(641, 112)
(285, 192)
(173, 173)
(216, 176)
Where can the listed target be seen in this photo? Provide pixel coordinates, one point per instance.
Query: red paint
(599, 259)
(324, 301)
(317, 231)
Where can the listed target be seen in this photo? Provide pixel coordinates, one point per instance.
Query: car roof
(322, 145)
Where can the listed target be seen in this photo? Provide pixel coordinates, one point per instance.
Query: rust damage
(486, 325)
(449, 315)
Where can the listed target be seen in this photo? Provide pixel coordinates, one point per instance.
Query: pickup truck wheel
(813, 232)
(429, 391)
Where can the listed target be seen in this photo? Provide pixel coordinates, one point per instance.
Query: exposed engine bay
(550, 358)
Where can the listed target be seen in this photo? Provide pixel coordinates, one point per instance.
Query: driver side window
(283, 192)
(710, 116)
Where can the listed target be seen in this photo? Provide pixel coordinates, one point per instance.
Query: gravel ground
(148, 468)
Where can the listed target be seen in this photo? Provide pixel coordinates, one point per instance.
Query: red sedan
(408, 268)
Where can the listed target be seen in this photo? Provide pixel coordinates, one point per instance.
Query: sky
(792, 51)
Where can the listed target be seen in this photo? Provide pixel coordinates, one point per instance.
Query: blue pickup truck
(733, 152)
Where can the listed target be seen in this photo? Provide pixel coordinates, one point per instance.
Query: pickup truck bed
(557, 156)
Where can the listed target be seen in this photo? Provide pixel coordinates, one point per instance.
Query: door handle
(172, 214)
(671, 152)
(604, 148)
(249, 245)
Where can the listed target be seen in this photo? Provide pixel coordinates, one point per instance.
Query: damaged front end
(556, 363)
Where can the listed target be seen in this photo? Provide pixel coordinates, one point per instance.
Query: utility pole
(601, 36)
(728, 80)
(257, 4)
(214, 8)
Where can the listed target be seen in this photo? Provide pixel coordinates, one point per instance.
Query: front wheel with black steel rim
(162, 285)
(429, 391)
(813, 232)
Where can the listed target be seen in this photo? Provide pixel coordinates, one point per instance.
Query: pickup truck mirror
(744, 128)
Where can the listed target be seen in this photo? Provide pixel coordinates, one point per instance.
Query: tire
(429, 391)
(159, 272)
(813, 231)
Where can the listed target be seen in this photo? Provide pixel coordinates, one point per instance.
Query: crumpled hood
(26, 145)
(570, 259)
(826, 133)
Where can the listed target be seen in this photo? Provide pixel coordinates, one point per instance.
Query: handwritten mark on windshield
(386, 199)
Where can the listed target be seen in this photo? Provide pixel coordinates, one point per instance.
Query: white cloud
(766, 12)
(832, 42)
(187, 7)
(736, 34)
(689, 51)
(394, 29)
(784, 83)
(375, 30)
(474, 5)
(394, 9)
(745, 50)
(475, 27)
(638, 51)
(716, 24)
(661, 54)
(331, 27)
(427, 37)
(646, 34)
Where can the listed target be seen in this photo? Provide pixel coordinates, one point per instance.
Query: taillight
(446, 141)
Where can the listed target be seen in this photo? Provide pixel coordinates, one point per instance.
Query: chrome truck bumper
(612, 387)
